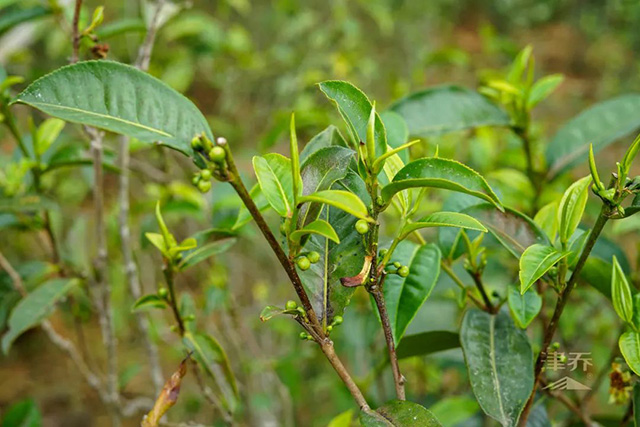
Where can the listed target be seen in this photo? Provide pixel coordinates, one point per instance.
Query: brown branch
(76, 32)
(562, 301)
(146, 48)
(398, 378)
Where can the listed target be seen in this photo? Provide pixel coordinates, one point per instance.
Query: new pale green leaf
(621, 293)
(535, 262)
(572, 207)
(319, 227)
(629, 344)
(524, 307)
(443, 219)
(340, 199)
(274, 176)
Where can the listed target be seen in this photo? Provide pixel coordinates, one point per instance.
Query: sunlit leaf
(535, 262)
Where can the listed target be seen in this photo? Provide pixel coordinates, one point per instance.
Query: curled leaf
(168, 396)
(358, 279)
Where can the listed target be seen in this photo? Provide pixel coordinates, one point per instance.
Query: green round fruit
(196, 144)
(217, 154)
(303, 335)
(403, 271)
(337, 320)
(204, 186)
(362, 226)
(195, 180)
(205, 174)
(163, 292)
(291, 305)
(329, 328)
(397, 264)
(190, 318)
(383, 252)
(313, 257)
(303, 263)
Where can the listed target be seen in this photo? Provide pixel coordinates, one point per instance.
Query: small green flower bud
(205, 174)
(195, 180)
(163, 292)
(403, 271)
(217, 154)
(303, 263)
(313, 257)
(204, 186)
(190, 318)
(383, 252)
(337, 320)
(555, 345)
(291, 305)
(303, 335)
(329, 328)
(196, 143)
(362, 226)
(397, 264)
(283, 228)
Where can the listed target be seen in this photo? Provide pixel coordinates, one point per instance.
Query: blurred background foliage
(248, 65)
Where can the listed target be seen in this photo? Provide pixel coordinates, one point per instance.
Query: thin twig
(570, 404)
(130, 267)
(378, 296)
(447, 269)
(76, 32)
(562, 301)
(477, 280)
(102, 293)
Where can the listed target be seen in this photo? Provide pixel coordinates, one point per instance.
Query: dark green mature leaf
(405, 295)
(452, 411)
(273, 172)
(123, 99)
(630, 348)
(535, 261)
(524, 307)
(514, 230)
(330, 137)
(399, 413)
(500, 363)
(355, 109)
(34, 308)
(440, 173)
(443, 219)
(397, 132)
(22, 414)
(448, 108)
(319, 171)
(427, 343)
(600, 124)
(322, 280)
(147, 302)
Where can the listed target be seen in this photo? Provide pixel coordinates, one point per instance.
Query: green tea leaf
(427, 343)
(340, 199)
(15, 16)
(123, 100)
(500, 364)
(355, 108)
(572, 207)
(629, 344)
(271, 311)
(47, 133)
(543, 88)
(205, 251)
(448, 108)
(399, 413)
(443, 219)
(621, 293)
(274, 176)
(319, 227)
(34, 308)
(295, 160)
(535, 262)
(547, 219)
(147, 302)
(342, 420)
(601, 124)
(524, 307)
(330, 137)
(440, 173)
(454, 410)
(405, 295)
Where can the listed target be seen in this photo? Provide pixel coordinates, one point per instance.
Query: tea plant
(350, 209)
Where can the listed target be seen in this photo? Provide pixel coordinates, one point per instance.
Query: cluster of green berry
(400, 270)
(304, 261)
(213, 153)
